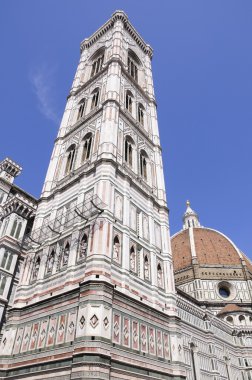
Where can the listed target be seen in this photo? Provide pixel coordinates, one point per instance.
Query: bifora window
(95, 99)
(81, 108)
(97, 64)
(70, 159)
(128, 151)
(87, 143)
(143, 164)
(132, 67)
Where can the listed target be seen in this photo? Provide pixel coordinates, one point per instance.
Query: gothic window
(81, 108)
(133, 62)
(129, 101)
(83, 246)
(50, 261)
(128, 151)
(5, 226)
(97, 64)
(1, 196)
(16, 228)
(140, 114)
(146, 268)
(143, 164)
(65, 254)
(87, 143)
(133, 258)
(95, 98)
(3, 280)
(116, 248)
(70, 158)
(159, 276)
(36, 269)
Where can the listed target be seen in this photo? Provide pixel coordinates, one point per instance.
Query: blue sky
(202, 75)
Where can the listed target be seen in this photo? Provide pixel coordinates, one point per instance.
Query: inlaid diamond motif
(106, 322)
(82, 322)
(71, 328)
(116, 328)
(94, 321)
(143, 337)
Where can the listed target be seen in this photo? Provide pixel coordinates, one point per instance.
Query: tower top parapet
(117, 15)
(9, 169)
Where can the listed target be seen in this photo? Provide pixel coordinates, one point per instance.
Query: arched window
(129, 101)
(133, 63)
(70, 158)
(65, 254)
(81, 108)
(116, 248)
(97, 63)
(128, 151)
(143, 164)
(87, 143)
(18, 230)
(132, 259)
(140, 114)
(50, 261)
(95, 98)
(230, 320)
(2, 284)
(83, 246)
(1, 196)
(5, 226)
(36, 269)
(146, 268)
(14, 227)
(242, 319)
(159, 275)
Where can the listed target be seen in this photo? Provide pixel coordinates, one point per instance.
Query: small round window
(224, 292)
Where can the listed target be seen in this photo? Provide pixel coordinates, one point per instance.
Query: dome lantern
(190, 217)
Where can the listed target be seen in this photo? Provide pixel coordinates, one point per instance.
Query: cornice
(117, 16)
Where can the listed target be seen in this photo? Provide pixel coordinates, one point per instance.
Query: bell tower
(99, 255)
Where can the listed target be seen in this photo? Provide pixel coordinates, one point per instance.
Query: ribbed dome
(211, 248)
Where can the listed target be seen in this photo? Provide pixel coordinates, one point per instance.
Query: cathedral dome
(211, 248)
(204, 253)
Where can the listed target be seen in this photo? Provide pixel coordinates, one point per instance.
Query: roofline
(218, 232)
(117, 15)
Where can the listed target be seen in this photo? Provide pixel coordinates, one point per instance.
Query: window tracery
(143, 164)
(128, 151)
(97, 64)
(3, 281)
(81, 108)
(70, 158)
(95, 98)
(87, 144)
